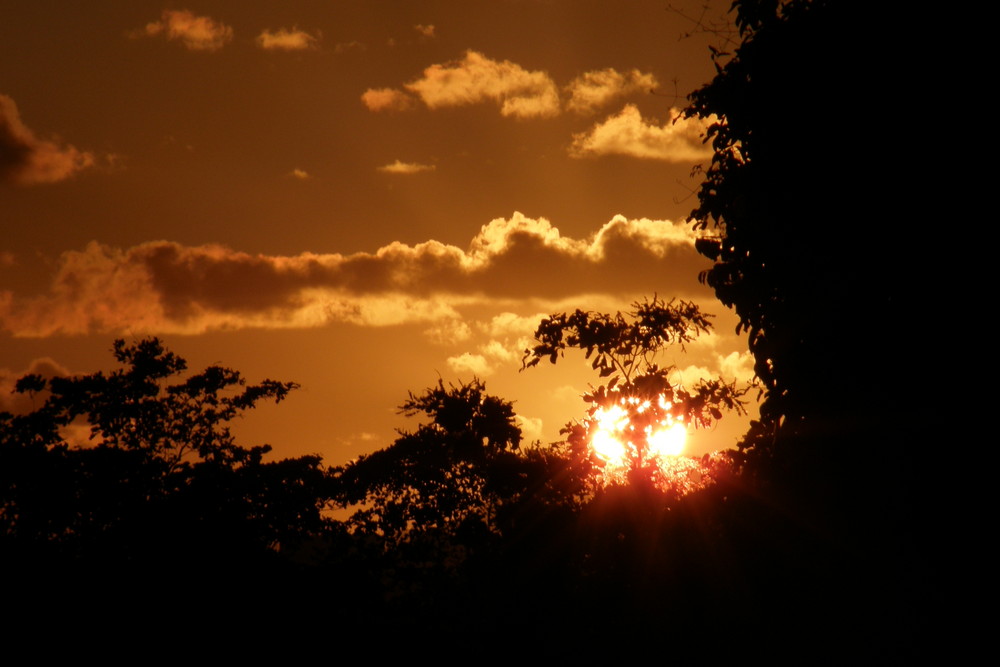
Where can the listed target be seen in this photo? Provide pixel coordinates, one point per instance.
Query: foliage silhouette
(624, 347)
(797, 224)
(449, 475)
(162, 477)
(805, 214)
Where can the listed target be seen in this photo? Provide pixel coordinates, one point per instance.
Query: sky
(363, 197)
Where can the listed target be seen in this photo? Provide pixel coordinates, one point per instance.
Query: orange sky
(358, 196)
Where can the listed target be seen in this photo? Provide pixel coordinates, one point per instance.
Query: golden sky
(359, 196)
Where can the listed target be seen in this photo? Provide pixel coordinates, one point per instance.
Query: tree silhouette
(161, 478)
(807, 219)
(639, 396)
(448, 476)
(797, 222)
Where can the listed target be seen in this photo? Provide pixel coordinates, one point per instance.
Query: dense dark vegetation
(461, 537)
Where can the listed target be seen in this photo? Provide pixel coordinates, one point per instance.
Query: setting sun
(622, 442)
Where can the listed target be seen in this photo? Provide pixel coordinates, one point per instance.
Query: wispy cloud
(627, 133)
(475, 78)
(27, 160)
(398, 167)
(164, 287)
(300, 174)
(592, 90)
(345, 47)
(285, 39)
(425, 30)
(196, 33)
(449, 332)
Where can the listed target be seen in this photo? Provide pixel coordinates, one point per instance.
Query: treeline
(456, 536)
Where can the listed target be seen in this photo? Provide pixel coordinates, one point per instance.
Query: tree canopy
(808, 214)
(802, 225)
(445, 476)
(158, 474)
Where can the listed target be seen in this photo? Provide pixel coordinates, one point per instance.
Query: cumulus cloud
(284, 39)
(519, 92)
(531, 427)
(475, 364)
(387, 99)
(425, 30)
(627, 133)
(593, 90)
(476, 78)
(489, 356)
(398, 167)
(27, 160)
(736, 366)
(164, 287)
(196, 33)
(495, 349)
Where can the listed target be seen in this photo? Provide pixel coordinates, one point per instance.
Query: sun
(631, 439)
(633, 432)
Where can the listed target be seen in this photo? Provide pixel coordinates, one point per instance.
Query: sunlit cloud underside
(166, 287)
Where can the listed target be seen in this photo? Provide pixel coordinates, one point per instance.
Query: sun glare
(633, 435)
(620, 443)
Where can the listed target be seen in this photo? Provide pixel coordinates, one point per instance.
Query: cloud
(398, 167)
(27, 160)
(196, 33)
(344, 47)
(284, 39)
(736, 366)
(519, 92)
(476, 79)
(165, 287)
(592, 90)
(476, 364)
(425, 30)
(387, 99)
(300, 174)
(494, 349)
(507, 336)
(678, 140)
(449, 332)
(489, 356)
(508, 323)
(531, 427)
